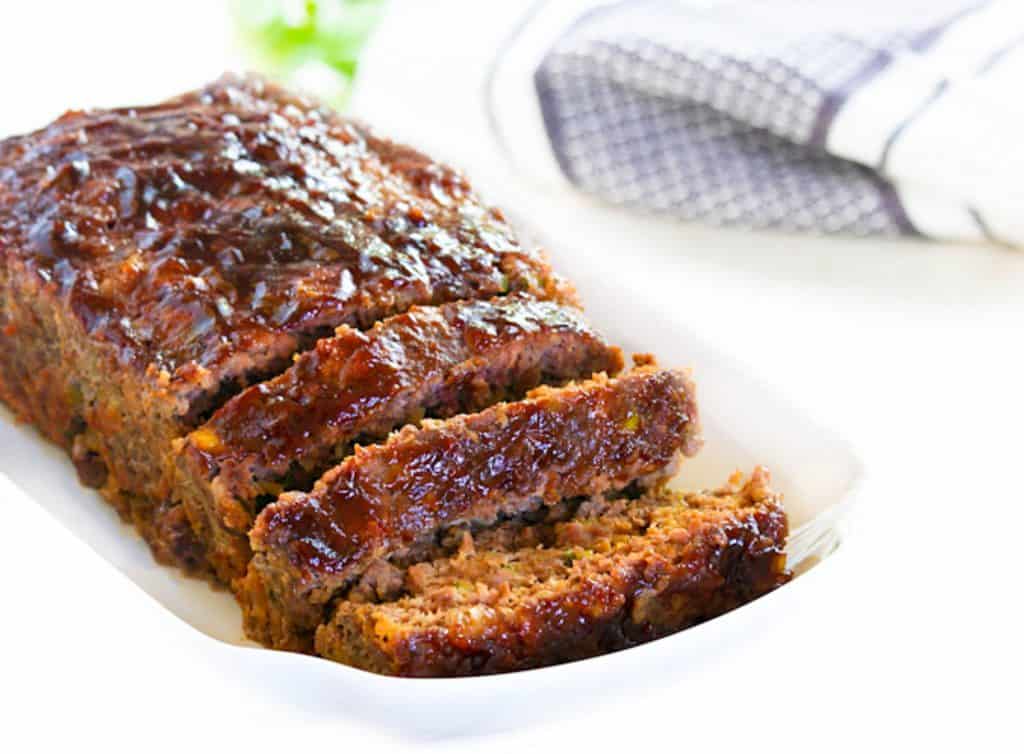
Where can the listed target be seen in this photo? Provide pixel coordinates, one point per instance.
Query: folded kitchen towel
(875, 117)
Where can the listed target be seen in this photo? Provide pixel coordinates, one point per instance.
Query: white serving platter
(745, 423)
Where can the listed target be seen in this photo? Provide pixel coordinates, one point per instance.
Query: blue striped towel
(866, 118)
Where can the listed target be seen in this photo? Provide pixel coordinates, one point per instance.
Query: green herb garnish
(311, 44)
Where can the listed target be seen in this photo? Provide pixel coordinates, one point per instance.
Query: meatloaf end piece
(155, 260)
(618, 573)
(433, 361)
(387, 500)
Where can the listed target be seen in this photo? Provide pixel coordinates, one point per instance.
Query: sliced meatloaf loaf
(388, 499)
(155, 260)
(589, 578)
(430, 361)
(312, 364)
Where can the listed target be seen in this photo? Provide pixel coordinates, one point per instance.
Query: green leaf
(283, 37)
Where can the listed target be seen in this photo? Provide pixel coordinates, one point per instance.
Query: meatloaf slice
(434, 361)
(617, 573)
(386, 500)
(155, 260)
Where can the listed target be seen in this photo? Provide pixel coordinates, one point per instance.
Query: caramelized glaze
(559, 443)
(204, 233)
(437, 358)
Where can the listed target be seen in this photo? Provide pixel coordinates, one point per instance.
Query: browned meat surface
(583, 439)
(618, 573)
(207, 234)
(157, 259)
(312, 364)
(433, 361)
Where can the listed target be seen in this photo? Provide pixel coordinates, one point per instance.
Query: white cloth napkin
(876, 117)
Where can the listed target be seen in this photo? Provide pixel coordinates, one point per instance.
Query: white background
(911, 350)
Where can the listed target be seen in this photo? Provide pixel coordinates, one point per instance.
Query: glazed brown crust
(208, 235)
(75, 392)
(156, 260)
(716, 550)
(582, 439)
(435, 361)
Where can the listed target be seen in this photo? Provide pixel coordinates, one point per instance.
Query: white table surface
(910, 349)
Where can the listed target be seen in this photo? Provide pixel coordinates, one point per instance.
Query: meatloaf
(156, 260)
(387, 499)
(430, 361)
(589, 578)
(313, 365)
